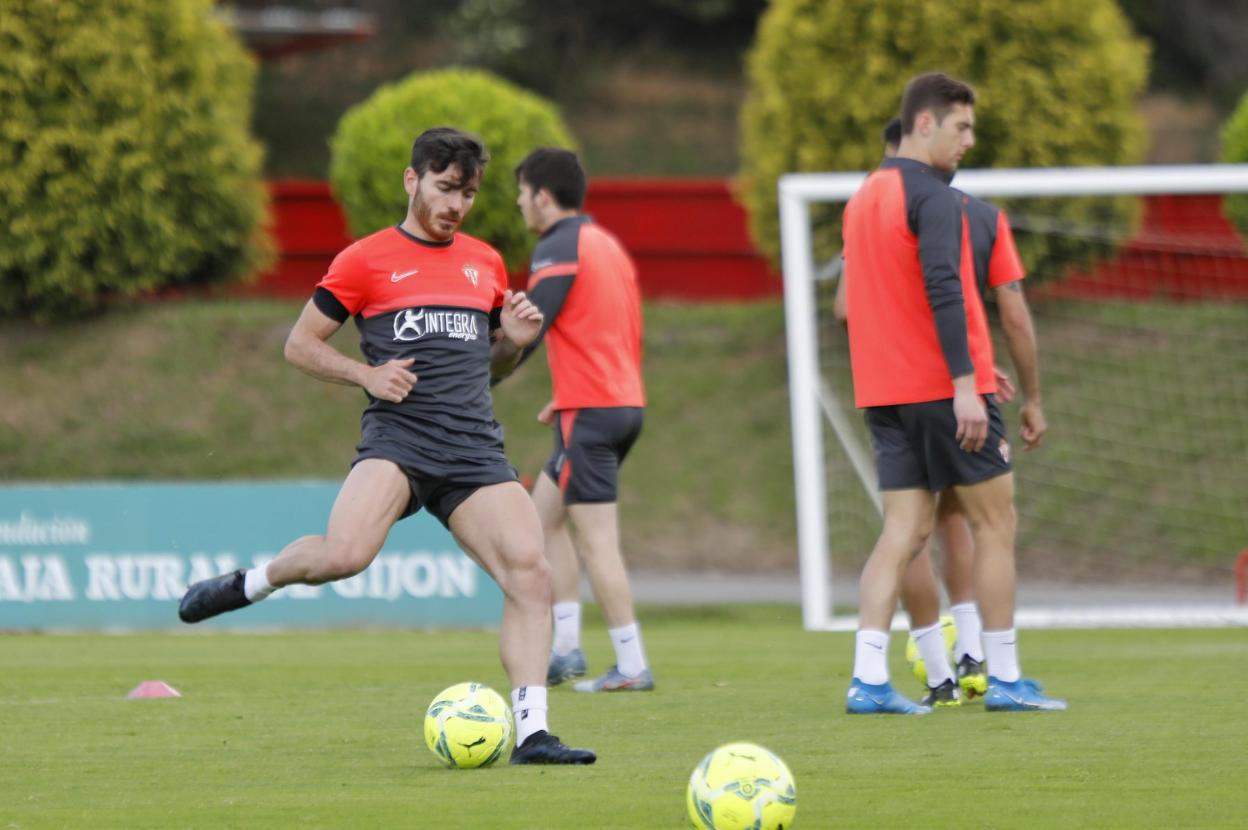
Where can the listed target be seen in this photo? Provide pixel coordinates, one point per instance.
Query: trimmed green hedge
(125, 159)
(1056, 80)
(1235, 149)
(373, 145)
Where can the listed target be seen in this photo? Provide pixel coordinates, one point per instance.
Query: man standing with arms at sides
(585, 284)
(436, 321)
(923, 371)
(997, 266)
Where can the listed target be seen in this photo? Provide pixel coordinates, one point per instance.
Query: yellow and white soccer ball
(468, 725)
(741, 786)
(948, 630)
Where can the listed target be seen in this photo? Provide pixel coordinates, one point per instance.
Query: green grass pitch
(322, 729)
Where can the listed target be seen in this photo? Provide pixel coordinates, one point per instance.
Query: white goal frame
(809, 397)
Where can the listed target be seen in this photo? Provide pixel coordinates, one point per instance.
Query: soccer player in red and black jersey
(923, 370)
(436, 322)
(585, 284)
(998, 267)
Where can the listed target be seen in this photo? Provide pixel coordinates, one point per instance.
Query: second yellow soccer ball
(741, 786)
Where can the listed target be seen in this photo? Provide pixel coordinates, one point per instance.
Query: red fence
(690, 241)
(1185, 249)
(689, 238)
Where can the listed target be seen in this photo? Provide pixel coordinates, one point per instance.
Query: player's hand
(547, 415)
(972, 420)
(1005, 386)
(1032, 425)
(521, 320)
(391, 381)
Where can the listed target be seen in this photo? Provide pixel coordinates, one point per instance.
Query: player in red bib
(436, 322)
(585, 283)
(999, 268)
(923, 371)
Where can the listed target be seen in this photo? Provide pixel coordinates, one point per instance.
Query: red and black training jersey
(916, 320)
(436, 303)
(992, 244)
(585, 283)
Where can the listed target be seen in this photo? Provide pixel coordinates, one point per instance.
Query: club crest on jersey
(471, 273)
(413, 324)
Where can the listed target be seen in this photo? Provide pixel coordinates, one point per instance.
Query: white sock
(931, 643)
(629, 657)
(567, 616)
(1001, 648)
(871, 657)
(528, 704)
(966, 617)
(256, 583)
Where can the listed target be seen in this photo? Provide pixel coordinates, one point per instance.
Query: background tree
(374, 143)
(126, 164)
(1056, 81)
(1198, 45)
(1235, 149)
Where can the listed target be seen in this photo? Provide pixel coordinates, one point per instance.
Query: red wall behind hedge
(690, 241)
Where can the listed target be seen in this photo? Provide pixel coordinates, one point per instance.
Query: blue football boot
(565, 667)
(880, 699)
(1023, 695)
(615, 681)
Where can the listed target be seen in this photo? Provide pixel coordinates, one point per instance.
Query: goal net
(1137, 505)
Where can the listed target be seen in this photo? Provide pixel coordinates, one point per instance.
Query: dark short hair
(438, 148)
(556, 170)
(935, 92)
(892, 132)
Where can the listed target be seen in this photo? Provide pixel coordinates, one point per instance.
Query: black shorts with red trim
(915, 446)
(590, 446)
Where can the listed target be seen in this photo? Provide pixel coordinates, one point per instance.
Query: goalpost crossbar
(811, 400)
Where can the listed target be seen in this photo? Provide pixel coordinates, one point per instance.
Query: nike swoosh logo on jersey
(395, 276)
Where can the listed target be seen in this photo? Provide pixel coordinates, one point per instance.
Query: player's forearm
(322, 361)
(504, 357)
(1020, 339)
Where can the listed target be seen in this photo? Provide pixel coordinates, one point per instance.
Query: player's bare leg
(908, 518)
(499, 528)
(598, 537)
(990, 509)
(958, 560)
(567, 661)
(371, 499)
(920, 593)
(598, 533)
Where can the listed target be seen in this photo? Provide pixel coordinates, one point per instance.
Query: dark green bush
(373, 145)
(1235, 149)
(125, 159)
(1056, 82)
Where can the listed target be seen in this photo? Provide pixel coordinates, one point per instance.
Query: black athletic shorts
(590, 445)
(915, 447)
(442, 491)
